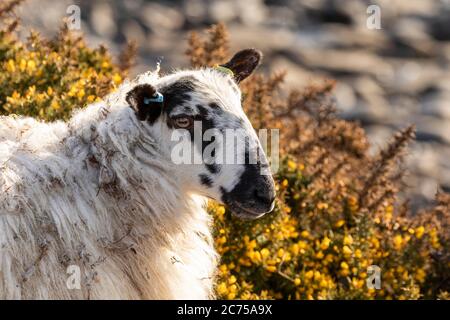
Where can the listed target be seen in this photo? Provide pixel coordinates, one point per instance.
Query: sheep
(100, 197)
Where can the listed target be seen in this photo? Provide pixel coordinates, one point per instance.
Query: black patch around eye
(187, 109)
(213, 168)
(177, 94)
(202, 110)
(206, 180)
(214, 105)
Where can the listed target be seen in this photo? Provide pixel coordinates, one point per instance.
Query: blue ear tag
(158, 97)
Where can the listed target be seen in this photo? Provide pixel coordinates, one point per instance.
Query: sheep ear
(145, 101)
(244, 63)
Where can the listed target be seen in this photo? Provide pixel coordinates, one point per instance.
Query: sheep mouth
(245, 213)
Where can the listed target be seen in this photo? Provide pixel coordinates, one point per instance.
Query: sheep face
(200, 127)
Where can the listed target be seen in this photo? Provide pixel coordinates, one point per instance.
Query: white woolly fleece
(94, 192)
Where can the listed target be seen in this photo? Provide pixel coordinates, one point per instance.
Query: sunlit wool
(95, 193)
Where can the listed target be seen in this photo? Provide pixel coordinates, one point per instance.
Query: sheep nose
(253, 195)
(266, 197)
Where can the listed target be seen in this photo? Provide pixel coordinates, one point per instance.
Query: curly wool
(95, 193)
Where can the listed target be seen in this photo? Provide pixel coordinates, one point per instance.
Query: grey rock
(346, 62)
(432, 129)
(160, 18)
(195, 10)
(251, 12)
(345, 97)
(222, 10)
(440, 22)
(103, 21)
(437, 104)
(413, 35)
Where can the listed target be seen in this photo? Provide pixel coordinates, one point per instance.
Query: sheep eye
(183, 122)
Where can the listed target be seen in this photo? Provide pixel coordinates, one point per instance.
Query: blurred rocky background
(387, 78)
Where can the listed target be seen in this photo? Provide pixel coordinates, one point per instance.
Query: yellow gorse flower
(348, 239)
(419, 232)
(346, 250)
(325, 243)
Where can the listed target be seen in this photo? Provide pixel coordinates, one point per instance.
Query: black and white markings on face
(206, 180)
(216, 110)
(188, 98)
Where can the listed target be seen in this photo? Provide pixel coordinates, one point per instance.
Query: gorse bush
(337, 212)
(46, 79)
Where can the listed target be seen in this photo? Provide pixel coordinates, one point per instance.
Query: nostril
(264, 196)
